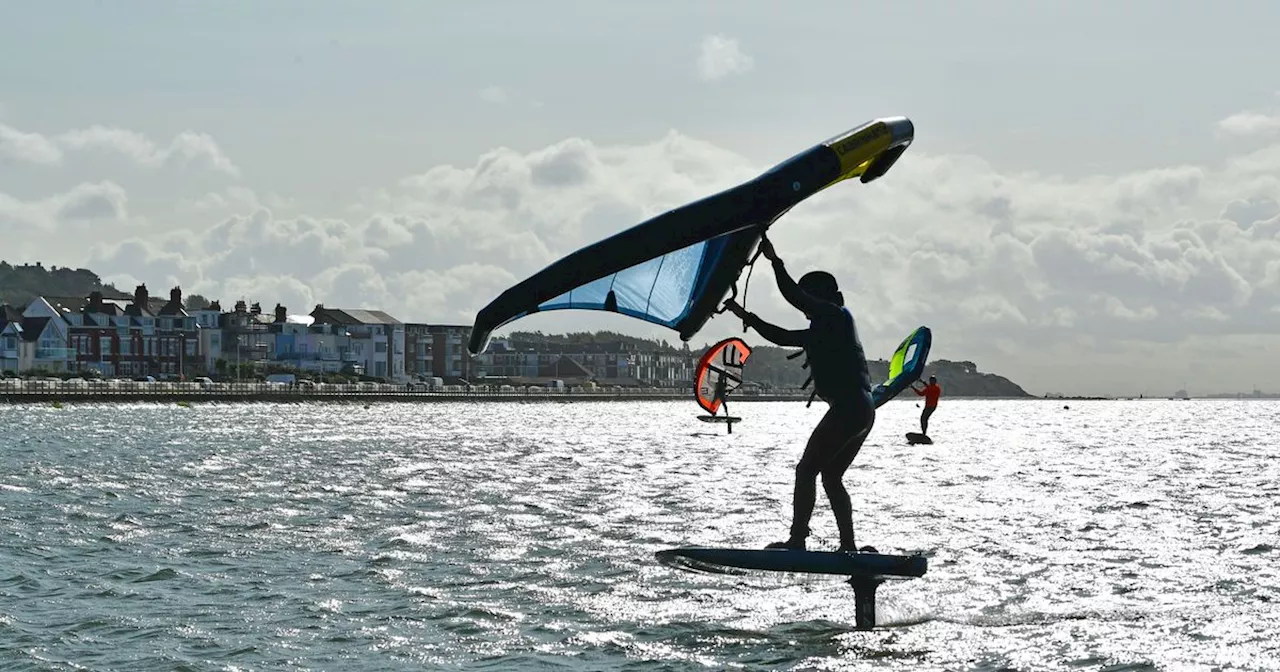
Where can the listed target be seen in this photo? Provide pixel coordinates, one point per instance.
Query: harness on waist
(805, 365)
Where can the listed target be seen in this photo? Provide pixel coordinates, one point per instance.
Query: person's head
(822, 285)
(933, 380)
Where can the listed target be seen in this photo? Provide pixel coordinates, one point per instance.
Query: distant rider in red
(930, 392)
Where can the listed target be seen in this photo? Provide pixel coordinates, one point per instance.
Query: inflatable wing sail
(906, 366)
(719, 372)
(675, 268)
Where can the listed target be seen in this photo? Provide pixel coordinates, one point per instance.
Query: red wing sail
(719, 372)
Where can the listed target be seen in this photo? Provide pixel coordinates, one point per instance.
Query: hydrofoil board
(914, 438)
(726, 420)
(862, 565)
(866, 571)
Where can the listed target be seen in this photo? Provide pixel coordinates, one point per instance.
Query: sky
(1091, 204)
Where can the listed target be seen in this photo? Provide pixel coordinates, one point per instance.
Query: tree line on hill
(21, 284)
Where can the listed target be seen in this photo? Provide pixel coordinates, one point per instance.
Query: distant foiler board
(866, 571)
(916, 437)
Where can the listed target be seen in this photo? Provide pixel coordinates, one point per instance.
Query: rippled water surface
(1135, 535)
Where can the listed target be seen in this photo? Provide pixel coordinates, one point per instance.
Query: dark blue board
(726, 560)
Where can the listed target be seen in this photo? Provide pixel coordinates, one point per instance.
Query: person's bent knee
(833, 480)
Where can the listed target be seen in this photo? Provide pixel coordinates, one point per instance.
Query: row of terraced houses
(118, 335)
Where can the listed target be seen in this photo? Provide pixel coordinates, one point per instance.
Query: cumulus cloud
(86, 202)
(493, 94)
(105, 200)
(1131, 273)
(233, 199)
(942, 240)
(186, 147)
(439, 244)
(720, 56)
(1250, 124)
(57, 225)
(17, 145)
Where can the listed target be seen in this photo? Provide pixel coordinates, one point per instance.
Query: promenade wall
(230, 392)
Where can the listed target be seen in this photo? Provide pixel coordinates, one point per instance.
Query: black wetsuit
(838, 365)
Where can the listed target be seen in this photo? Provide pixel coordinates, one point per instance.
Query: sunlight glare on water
(1101, 535)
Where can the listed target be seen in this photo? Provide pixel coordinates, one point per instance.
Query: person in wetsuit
(838, 366)
(930, 392)
(722, 387)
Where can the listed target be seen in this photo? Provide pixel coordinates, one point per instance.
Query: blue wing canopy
(674, 269)
(662, 290)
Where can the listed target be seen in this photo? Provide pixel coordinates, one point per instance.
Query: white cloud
(1250, 124)
(1096, 282)
(186, 147)
(232, 199)
(493, 94)
(442, 243)
(86, 202)
(56, 226)
(28, 147)
(933, 242)
(720, 56)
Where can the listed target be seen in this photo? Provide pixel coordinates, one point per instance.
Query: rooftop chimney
(140, 296)
(280, 313)
(175, 296)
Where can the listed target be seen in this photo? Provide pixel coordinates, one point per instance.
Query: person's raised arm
(771, 332)
(802, 300)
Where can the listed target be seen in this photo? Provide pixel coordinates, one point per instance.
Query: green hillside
(769, 367)
(20, 284)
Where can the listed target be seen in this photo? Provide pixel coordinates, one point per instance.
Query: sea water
(1081, 535)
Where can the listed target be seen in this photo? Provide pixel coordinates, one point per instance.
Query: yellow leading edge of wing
(859, 147)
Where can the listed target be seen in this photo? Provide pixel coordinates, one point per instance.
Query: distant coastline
(67, 324)
(265, 394)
